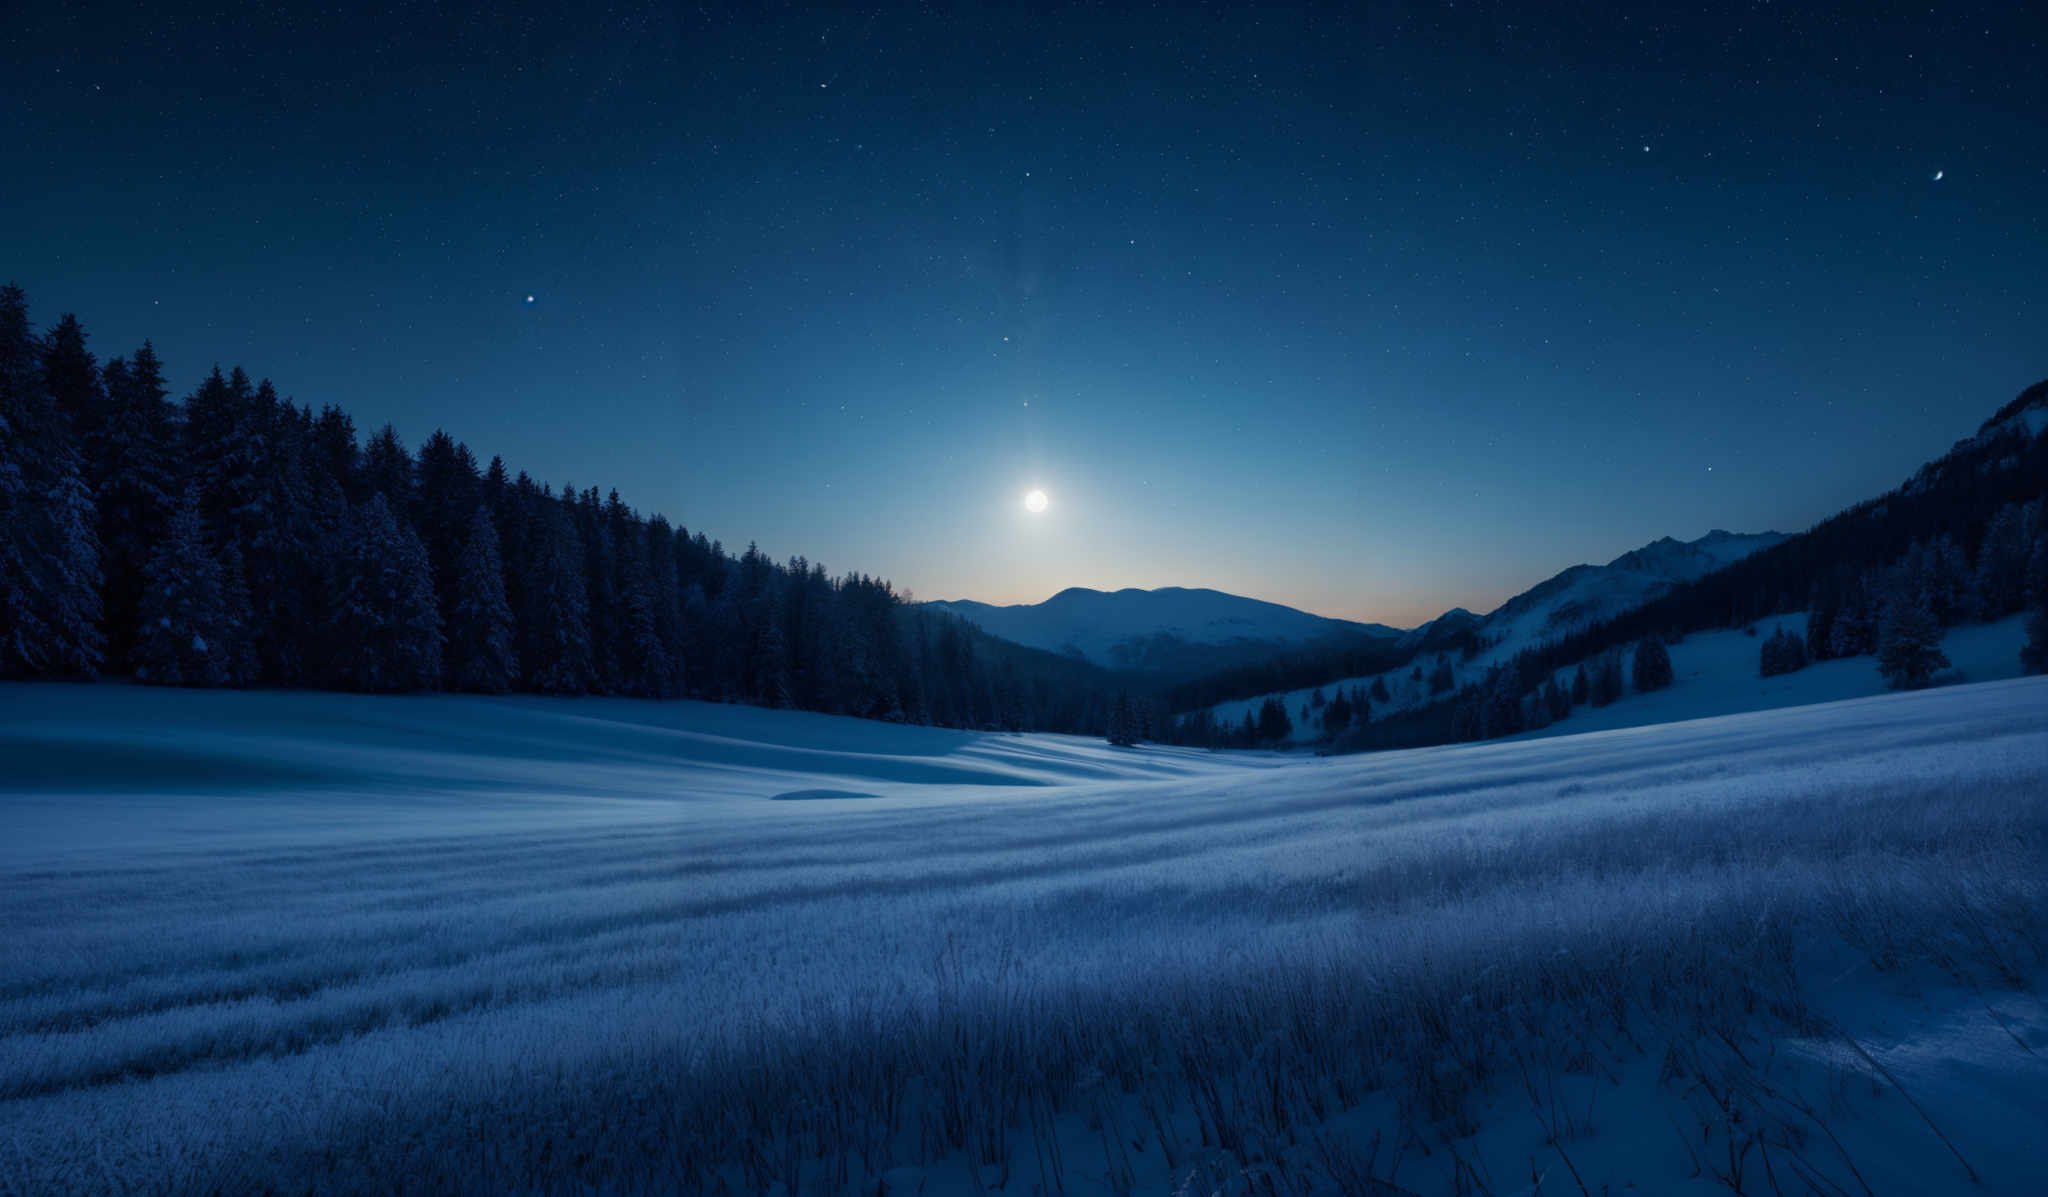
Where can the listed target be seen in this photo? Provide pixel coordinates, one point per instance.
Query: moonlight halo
(1035, 501)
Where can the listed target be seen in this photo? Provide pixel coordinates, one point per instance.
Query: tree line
(237, 538)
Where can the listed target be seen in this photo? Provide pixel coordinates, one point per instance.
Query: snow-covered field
(297, 941)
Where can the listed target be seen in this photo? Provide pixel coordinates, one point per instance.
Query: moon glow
(1036, 502)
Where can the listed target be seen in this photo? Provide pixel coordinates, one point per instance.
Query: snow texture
(268, 941)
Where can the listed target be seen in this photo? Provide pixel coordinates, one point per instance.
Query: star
(1938, 174)
(529, 299)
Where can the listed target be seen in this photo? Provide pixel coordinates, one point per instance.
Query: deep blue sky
(1370, 312)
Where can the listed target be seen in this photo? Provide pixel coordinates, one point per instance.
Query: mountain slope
(1562, 605)
(1584, 595)
(1735, 581)
(1169, 630)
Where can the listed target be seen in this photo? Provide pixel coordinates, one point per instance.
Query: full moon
(1035, 501)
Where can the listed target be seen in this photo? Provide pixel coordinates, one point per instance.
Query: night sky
(1370, 312)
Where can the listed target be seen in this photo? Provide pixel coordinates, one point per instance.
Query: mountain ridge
(1167, 629)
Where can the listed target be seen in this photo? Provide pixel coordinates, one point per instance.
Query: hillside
(286, 941)
(1669, 589)
(1171, 630)
(1561, 605)
(1585, 595)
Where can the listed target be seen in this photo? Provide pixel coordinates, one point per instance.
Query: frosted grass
(604, 986)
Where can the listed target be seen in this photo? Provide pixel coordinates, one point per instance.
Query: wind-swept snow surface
(283, 941)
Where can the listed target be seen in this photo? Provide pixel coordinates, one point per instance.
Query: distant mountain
(1172, 630)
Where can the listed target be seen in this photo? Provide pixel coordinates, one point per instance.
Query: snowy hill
(1715, 673)
(1169, 630)
(1584, 595)
(1566, 602)
(273, 941)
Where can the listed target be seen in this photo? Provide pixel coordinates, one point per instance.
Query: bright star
(529, 299)
(1938, 174)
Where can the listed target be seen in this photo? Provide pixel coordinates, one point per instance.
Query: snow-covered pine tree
(181, 640)
(645, 670)
(481, 658)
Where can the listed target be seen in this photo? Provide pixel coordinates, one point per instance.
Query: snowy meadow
(316, 942)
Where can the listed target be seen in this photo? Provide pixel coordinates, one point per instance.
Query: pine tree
(1337, 714)
(554, 628)
(333, 452)
(480, 653)
(132, 447)
(449, 492)
(1822, 606)
(238, 619)
(387, 470)
(1607, 679)
(1555, 701)
(2037, 558)
(1123, 721)
(2000, 583)
(1500, 707)
(72, 379)
(1274, 724)
(1582, 686)
(600, 582)
(1909, 638)
(386, 630)
(1782, 653)
(2034, 653)
(49, 552)
(1854, 630)
(645, 666)
(1652, 665)
(182, 639)
(1379, 690)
